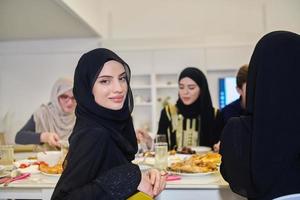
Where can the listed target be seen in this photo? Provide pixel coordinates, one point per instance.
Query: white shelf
(166, 86)
(146, 89)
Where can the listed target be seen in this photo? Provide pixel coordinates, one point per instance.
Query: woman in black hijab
(192, 121)
(103, 143)
(261, 151)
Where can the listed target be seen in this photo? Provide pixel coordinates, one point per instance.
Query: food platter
(197, 165)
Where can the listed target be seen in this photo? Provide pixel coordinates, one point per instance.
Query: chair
(289, 197)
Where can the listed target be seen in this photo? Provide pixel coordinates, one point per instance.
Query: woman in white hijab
(54, 121)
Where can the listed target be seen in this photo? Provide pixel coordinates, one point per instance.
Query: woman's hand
(145, 185)
(158, 180)
(217, 147)
(51, 138)
(153, 182)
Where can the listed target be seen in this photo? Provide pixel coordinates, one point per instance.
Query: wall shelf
(149, 92)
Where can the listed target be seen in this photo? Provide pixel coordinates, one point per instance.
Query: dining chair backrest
(289, 197)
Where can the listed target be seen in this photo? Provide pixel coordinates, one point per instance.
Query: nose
(117, 86)
(185, 90)
(71, 101)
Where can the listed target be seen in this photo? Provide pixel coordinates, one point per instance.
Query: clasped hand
(153, 182)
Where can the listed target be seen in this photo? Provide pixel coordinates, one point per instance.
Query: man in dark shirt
(237, 107)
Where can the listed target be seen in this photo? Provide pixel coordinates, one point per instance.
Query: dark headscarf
(273, 102)
(89, 113)
(203, 105)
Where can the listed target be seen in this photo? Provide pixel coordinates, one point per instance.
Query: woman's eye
(123, 78)
(191, 88)
(104, 81)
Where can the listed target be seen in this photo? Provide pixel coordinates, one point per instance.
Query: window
(227, 91)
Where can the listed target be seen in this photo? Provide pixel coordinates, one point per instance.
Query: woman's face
(67, 102)
(110, 88)
(189, 91)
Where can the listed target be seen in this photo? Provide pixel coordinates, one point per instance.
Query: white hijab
(51, 117)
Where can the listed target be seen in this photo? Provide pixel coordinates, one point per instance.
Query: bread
(56, 169)
(198, 164)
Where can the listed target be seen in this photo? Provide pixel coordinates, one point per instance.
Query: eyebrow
(188, 84)
(107, 76)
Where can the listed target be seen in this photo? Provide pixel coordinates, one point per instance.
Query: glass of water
(161, 152)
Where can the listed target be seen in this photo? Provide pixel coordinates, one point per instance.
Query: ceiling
(40, 19)
(161, 21)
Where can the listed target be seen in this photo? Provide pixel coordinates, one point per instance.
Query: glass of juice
(161, 152)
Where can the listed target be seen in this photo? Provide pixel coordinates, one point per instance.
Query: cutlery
(6, 181)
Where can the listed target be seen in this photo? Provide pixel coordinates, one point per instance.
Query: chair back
(289, 197)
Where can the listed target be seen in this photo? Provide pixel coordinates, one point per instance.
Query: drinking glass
(161, 152)
(6, 154)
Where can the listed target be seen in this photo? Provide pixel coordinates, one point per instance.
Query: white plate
(1, 169)
(54, 175)
(201, 149)
(4, 174)
(24, 161)
(32, 169)
(192, 174)
(144, 161)
(182, 156)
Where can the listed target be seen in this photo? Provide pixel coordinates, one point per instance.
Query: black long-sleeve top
(96, 168)
(27, 134)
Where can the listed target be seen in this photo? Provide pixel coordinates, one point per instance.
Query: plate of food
(185, 150)
(55, 170)
(144, 161)
(27, 166)
(197, 165)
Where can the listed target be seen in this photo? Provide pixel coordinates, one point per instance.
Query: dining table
(203, 187)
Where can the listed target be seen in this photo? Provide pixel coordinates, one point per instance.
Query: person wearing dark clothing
(27, 134)
(237, 107)
(193, 121)
(260, 151)
(234, 109)
(103, 143)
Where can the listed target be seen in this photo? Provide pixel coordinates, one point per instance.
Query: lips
(185, 98)
(117, 99)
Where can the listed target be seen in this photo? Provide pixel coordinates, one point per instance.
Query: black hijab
(89, 113)
(273, 103)
(203, 105)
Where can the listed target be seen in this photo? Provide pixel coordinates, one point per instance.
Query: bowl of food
(50, 157)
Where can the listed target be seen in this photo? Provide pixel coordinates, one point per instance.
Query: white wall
(215, 62)
(28, 71)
